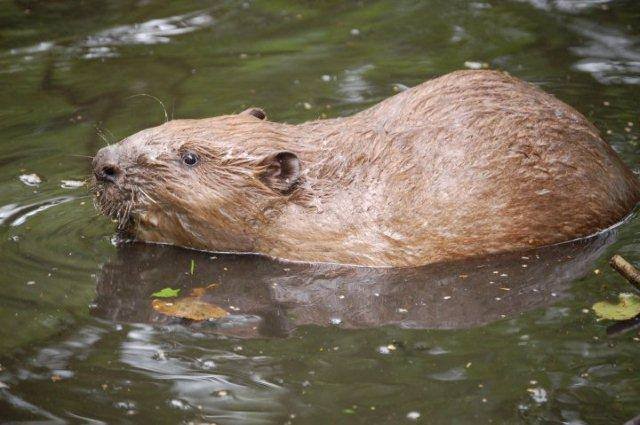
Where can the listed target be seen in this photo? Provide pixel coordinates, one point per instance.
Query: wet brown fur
(471, 163)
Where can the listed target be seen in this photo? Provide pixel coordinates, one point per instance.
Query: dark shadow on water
(270, 298)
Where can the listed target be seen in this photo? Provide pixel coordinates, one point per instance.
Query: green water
(79, 341)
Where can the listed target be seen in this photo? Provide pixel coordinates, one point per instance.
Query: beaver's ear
(281, 171)
(255, 112)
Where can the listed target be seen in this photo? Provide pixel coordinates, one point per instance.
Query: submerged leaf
(189, 308)
(628, 307)
(166, 293)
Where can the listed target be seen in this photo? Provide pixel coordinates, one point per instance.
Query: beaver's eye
(190, 158)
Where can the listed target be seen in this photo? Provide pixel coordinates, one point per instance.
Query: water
(453, 343)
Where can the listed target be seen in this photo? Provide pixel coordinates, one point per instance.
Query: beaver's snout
(105, 165)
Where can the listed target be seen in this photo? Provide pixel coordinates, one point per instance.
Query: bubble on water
(326, 78)
(336, 321)
(355, 32)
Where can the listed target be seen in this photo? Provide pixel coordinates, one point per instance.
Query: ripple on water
(16, 214)
(455, 374)
(609, 55)
(238, 391)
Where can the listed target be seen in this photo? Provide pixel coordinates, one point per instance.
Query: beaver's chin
(117, 205)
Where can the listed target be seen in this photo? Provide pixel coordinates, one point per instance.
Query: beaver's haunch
(470, 163)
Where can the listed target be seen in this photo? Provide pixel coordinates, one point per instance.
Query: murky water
(502, 340)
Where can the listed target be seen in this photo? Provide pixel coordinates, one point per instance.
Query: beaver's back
(484, 162)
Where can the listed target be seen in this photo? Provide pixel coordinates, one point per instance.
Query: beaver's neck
(341, 205)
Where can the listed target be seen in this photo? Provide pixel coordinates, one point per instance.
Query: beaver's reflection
(271, 298)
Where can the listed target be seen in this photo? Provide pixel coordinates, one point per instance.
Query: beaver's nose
(105, 165)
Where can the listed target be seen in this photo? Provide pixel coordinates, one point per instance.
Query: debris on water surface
(30, 179)
(166, 293)
(192, 266)
(159, 355)
(383, 350)
(539, 395)
(355, 32)
(397, 87)
(208, 364)
(71, 184)
(179, 404)
(628, 307)
(386, 349)
(476, 65)
(626, 269)
(413, 415)
(336, 321)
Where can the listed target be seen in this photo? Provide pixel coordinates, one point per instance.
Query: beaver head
(199, 183)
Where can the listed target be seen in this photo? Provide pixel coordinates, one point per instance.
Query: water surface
(506, 339)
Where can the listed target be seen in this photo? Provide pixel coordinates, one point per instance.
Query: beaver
(467, 164)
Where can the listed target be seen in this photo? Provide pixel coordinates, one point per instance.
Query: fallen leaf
(166, 293)
(56, 378)
(627, 307)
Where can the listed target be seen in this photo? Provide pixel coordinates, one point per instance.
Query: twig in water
(626, 269)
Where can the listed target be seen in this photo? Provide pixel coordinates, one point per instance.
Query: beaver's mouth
(117, 203)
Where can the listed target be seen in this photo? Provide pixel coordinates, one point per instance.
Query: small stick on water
(626, 269)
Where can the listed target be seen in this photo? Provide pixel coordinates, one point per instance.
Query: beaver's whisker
(82, 156)
(102, 137)
(113, 137)
(164, 109)
(147, 195)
